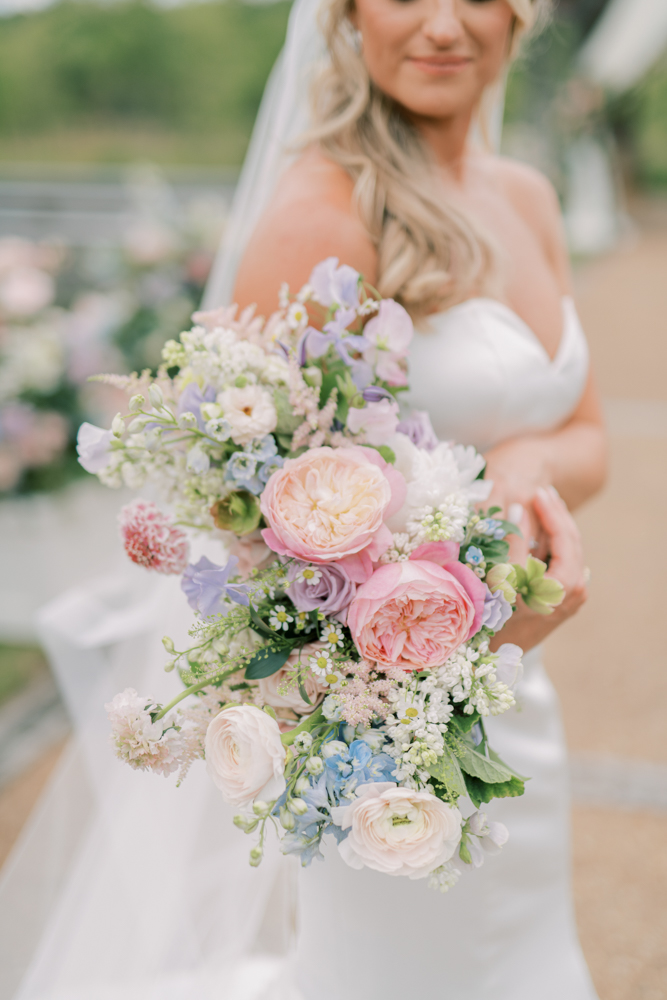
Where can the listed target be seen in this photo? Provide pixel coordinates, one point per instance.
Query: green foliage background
(126, 80)
(197, 70)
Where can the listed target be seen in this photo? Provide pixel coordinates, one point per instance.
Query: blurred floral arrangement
(66, 313)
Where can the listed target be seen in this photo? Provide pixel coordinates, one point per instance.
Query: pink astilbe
(151, 540)
(315, 430)
(247, 325)
(364, 695)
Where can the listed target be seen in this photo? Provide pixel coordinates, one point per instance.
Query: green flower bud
(261, 809)
(168, 644)
(287, 421)
(312, 376)
(238, 512)
(541, 593)
(297, 806)
(287, 821)
(502, 577)
(187, 420)
(117, 426)
(255, 856)
(240, 381)
(315, 766)
(136, 403)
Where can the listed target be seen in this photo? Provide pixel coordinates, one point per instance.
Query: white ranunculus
(249, 411)
(245, 756)
(93, 445)
(398, 831)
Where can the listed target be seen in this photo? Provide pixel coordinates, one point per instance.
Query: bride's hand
(527, 628)
(517, 469)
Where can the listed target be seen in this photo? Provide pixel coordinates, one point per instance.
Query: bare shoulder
(311, 217)
(534, 198)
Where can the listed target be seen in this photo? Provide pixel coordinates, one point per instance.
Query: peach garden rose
(411, 614)
(329, 505)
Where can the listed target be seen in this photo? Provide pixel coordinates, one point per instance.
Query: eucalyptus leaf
(447, 771)
(265, 664)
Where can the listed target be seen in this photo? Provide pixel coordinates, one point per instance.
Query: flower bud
(187, 420)
(210, 411)
(136, 403)
(240, 381)
(287, 821)
(155, 395)
(118, 426)
(255, 856)
(315, 766)
(261, 809)
(312, 377)
(303, 741)
(302, 785)
(168, 644)
(297, 806)
(238, 512)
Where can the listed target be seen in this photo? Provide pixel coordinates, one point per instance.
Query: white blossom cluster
(219, 357)
(420, 711)
(470, 675)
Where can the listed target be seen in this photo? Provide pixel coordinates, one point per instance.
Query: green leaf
(480, 791)
(495, 550)
(481, 767)
(463, 723)
(447, 771)
(260, 624)
(494, 756)
(464, 852)
(266, 663)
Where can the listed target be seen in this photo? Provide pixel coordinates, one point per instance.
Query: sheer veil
(122, 886)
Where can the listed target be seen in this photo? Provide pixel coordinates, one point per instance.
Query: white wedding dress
(505, 931)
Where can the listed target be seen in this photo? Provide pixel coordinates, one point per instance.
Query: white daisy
(333, 636)
(309, 575)
(279, 618)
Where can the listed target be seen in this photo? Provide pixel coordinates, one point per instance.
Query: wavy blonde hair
(430, 254)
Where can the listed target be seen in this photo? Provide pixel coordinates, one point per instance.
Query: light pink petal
(440, 553)
(274, 542)
(475, 589)
(359, 567)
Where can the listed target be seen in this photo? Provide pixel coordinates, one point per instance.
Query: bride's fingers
(567, 560)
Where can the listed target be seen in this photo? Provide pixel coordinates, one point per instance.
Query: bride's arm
(311, 217)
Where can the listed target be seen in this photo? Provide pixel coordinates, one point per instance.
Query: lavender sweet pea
(497, 610)
(332, 593)
(93, 447)
(191, 400)
(205, 586)
(419, 429)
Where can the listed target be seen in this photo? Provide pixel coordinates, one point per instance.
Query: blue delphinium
(490, 527)
(355, 765)
(241, 469)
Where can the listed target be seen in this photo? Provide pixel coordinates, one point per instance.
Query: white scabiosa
(250, 412)
(398, 831)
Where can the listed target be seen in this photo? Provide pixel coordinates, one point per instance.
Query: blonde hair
(430, 254)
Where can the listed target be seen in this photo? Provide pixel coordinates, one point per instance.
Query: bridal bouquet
(341, 661)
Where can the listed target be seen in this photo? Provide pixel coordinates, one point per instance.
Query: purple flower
(497, 610)
(332, 594)
(419, 429)
(205, 586)
(374, 393)
(334, 285)
(192, 398)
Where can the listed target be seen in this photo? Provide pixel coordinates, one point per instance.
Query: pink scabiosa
(151, 540)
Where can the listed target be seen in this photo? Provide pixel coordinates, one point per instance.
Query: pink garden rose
(446, 554)
(329, 505)
(411, 614)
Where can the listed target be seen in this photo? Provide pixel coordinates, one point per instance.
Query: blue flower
(490, 527)
(262, 448)
(241, 469)
(474, 556)
(269, 467)
(345, 771)
(206, 588)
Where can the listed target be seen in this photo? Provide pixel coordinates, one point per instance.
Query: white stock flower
(245, 756)
(485, 837)
(509, 669)
(139, 741)
(249, 411)
(398, 831)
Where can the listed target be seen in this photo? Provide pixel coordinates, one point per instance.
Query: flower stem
(194, 688)
(304, 727)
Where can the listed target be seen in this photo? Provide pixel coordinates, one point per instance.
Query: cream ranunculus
(245, 756)
(398, 831)
(249, 411)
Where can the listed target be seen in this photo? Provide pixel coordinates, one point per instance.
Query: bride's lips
(440, 65)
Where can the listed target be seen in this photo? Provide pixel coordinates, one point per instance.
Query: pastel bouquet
(341, 669)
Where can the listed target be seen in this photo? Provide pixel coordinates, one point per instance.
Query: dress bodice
(483, 375)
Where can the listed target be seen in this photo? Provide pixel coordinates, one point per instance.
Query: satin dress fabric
(507, 930)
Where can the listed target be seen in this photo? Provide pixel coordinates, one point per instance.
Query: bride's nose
(443, 23)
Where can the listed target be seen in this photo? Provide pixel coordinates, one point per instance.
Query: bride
(471, 244)
(124, 888)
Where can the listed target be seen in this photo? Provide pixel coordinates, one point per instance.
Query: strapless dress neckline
(484, 376)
